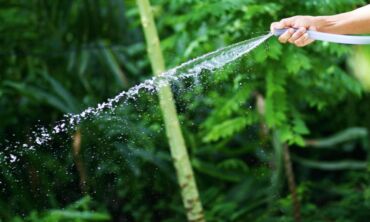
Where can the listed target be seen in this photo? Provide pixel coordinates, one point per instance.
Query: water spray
(327, 37)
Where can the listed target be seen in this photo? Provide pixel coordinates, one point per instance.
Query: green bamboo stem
(185, 175)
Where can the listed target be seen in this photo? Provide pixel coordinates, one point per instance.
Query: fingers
(304, 39)
(273, 26)
(284, 23)
(287, 22)
(286, 36)
(297, 34)
(299, 38)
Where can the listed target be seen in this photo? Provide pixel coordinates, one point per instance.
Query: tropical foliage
(278, 108)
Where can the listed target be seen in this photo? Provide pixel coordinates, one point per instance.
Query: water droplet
(13, 158)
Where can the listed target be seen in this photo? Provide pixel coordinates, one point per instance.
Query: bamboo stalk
(185, 175)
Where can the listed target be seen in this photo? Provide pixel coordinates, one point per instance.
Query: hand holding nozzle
(294, 30)
(310, 36)
(303, 30)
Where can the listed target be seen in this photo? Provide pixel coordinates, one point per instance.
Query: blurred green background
(62, 56)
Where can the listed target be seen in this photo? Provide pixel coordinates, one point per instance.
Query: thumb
(280, 25)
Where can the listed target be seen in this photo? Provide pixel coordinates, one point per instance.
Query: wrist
(326, 23)
(332, 23)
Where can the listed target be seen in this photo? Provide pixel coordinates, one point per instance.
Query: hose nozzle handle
(279, 32)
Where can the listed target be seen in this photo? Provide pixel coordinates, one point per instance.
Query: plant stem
(333, 165)
(185, 175)
(278, 165)
(341, 137)
(291, 183)
(282, 157)
(76, 149)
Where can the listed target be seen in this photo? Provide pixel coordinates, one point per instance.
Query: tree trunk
(185, 175)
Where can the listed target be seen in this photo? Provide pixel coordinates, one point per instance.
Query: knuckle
(298, 34)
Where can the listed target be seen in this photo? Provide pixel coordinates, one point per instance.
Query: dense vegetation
(281, 133)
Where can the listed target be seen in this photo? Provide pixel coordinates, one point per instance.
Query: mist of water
(190, 69)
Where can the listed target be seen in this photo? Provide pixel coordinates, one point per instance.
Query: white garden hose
(344, 39)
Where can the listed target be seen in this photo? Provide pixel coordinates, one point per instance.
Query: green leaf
(74, 215)
(300, 127)
(212, 170)
(276, 104)
(229, 128)
(295, 62)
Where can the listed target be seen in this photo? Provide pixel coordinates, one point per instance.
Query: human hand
(297, 29)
